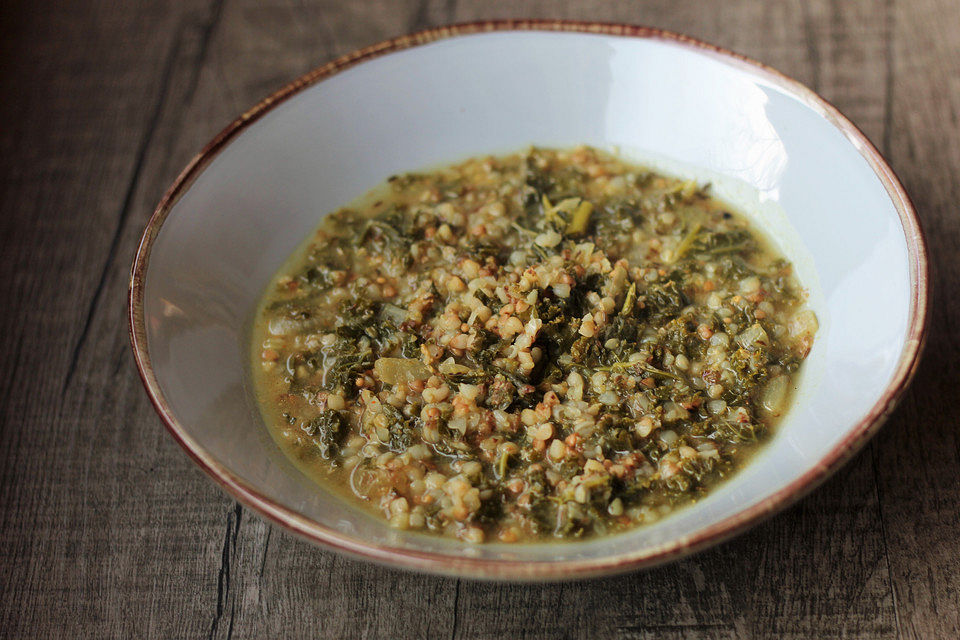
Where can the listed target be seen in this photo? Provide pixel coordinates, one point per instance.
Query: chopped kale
(326, 431)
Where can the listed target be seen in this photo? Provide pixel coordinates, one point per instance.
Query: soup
(549, 344)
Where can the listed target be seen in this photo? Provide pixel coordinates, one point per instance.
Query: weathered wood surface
(108, 531)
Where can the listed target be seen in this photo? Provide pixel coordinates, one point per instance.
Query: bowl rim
(464, 566)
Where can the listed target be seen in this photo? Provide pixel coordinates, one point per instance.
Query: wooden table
(107, 530)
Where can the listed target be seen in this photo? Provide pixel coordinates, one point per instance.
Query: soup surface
(549, 344)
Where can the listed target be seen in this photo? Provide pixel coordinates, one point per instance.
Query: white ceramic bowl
(774, 147)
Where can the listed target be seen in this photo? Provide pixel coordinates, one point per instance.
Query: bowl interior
(683, 108)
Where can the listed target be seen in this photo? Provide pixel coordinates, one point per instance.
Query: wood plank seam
(206, 35)
(888, 29)
(227, 556)
(456, 611)
(154, 120)
(883, 537)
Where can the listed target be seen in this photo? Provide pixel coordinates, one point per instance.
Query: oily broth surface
(549, 344)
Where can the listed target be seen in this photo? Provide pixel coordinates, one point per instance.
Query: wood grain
(108, 531)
